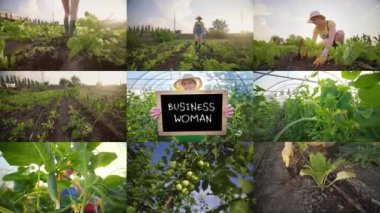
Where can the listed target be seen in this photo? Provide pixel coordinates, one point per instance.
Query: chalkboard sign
(192, 112)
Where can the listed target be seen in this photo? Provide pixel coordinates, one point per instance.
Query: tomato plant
(334, 112)
(171, 176)
(37, 183)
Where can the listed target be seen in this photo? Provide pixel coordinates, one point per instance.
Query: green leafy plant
(77, 126)
(320, 168)
(48, 125)
(94, 39)
(44, 163)
(362, 153)
(6, 62)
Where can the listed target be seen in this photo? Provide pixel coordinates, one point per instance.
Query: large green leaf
(45, 153)
(102, 159)
(24, 154)
(52, 186)
(370, 95)
(344, 175)
(114, 181)
(350, 75)
(367, 80)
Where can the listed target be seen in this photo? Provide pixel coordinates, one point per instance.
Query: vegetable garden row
(297, 53)
(233, 54)
(97, 45)
(71, 114)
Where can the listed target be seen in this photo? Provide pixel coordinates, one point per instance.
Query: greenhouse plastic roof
(276, 83)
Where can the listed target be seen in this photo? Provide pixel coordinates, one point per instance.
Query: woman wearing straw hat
(188, 82)
(199, 31)
(326, 29)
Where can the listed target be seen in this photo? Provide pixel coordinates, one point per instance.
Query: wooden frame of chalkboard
(167, 128)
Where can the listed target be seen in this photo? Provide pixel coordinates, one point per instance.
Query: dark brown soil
(101, 132)
(280, 190)
(294, 63)
(58, 133)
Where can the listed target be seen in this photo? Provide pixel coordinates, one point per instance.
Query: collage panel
(190, 177)
(191, 106)
(323, 151)
(207, 35)
(69, 106)
(321, 35)
(63, 177)
(340, 177)
(71, 35)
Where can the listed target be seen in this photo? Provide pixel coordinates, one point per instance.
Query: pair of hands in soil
(155, 112)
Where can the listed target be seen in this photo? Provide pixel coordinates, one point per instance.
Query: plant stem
(293, 123)
(38, 187)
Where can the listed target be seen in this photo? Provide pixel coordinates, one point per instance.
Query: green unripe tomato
(172, 164)
(207, 165)
(191, 187)
(185, 183)
(178, 187)
(195, 178)
(200, 163)
(185, 191)
(189, 174)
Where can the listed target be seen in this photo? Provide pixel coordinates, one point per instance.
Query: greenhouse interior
(314, 139)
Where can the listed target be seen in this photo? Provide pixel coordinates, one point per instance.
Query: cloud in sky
(50, 10)
(273, 17)
(238, 14)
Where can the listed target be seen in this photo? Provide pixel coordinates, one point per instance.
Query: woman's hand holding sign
(155, 112)
(229, 111)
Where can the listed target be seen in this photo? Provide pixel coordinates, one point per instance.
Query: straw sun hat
(178, 84)
(314, 14)
(198, 17)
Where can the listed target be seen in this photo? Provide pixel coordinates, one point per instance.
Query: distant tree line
(147, 29)
(10, 16)
(19, 82)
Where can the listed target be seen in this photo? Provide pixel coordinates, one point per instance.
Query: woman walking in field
(199, 31)
(326, 29)
(71, 11)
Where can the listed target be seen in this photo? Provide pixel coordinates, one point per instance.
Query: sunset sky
(238, 14)
(275, 17)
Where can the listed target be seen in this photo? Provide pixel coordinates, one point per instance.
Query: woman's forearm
(325, 52)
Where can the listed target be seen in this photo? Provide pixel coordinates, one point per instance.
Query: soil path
(63, 119)
(275, 189)
(173, 61)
